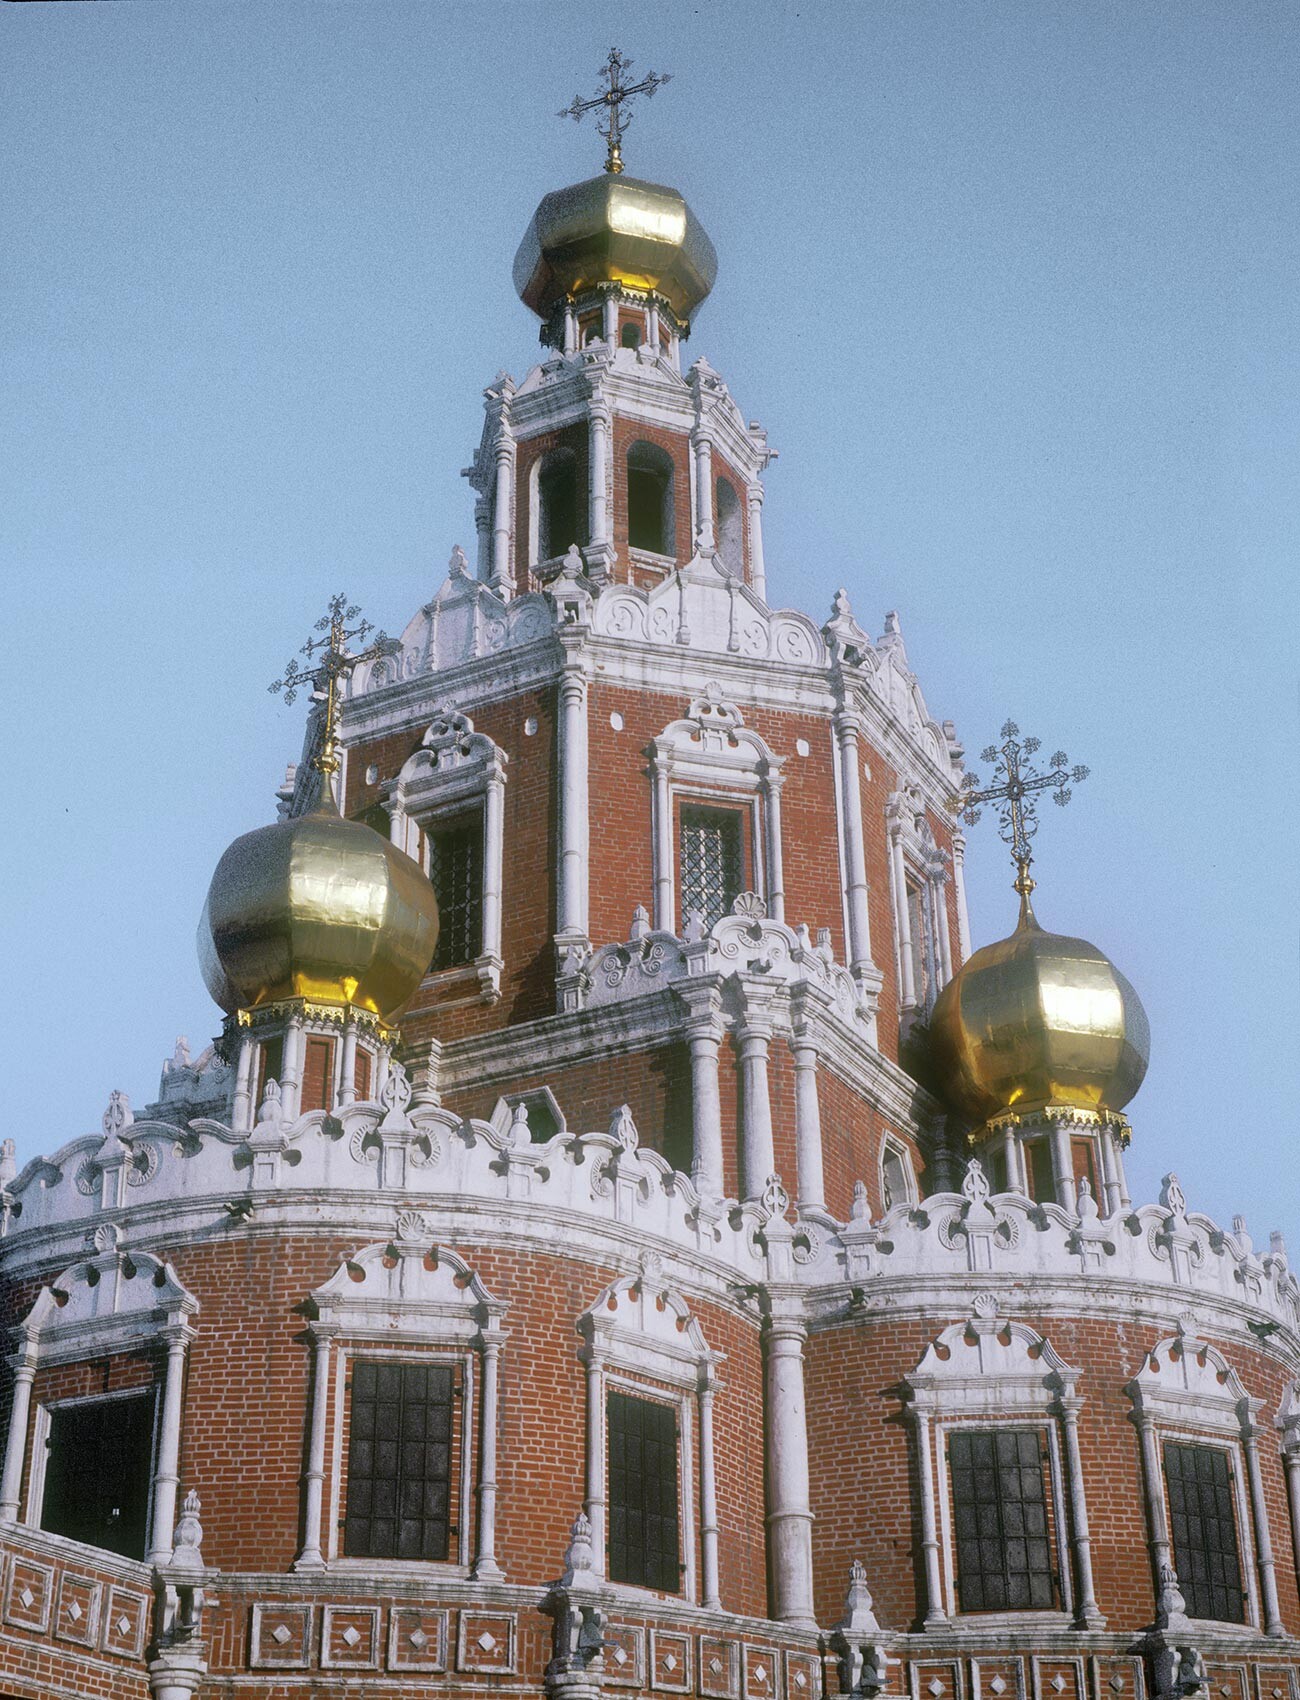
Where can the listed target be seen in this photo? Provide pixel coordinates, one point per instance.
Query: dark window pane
(1203, 1524)
(644, 1544)
(713, 863)
(456, 875)
(98, 1474)
(1000, 1513)
(399, 1485)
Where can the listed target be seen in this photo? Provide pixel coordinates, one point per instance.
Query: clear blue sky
(1013, 287)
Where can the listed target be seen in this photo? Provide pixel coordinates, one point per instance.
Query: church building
(625, 1239)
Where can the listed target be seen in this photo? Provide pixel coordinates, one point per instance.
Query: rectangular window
(999, 1500)
(1203, 1525)
(644, 1542)
(456, 875)
(98, 1473)
(399, 1461)
(318, 1075)
(270, 1063)
(362, 1075)
(918, 926)
(1042, 1176)
(713, 862)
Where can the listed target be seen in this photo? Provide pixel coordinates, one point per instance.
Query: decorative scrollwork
(144, 1164)
(88, 1178)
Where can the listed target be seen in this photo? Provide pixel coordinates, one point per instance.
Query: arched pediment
(1186, 1379)
(990, 1362)
(405, 1288)
(108, 1301)
(642, 1323)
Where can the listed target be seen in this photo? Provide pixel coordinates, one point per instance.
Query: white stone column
(383, 1061)
(1014, 1156)
(598, 517)
(1112, 1190)
(242, 1110)
(485, 1561)
(757, 565)
(934, 1610)
(705, 1032)
(1086, 1609)
(959, 881)
(570, 328)
(1291, 1458)
(807, 1123)
(906, 971)
(292, 1057)
(663, 831)
(772, 784)
(1111, 1145)
(789, 1517)
(494, 802)
(595, 1506)
(312, 1556)
(652, 326)
(167, 1475)
(1153, 1486)
(573, 802)
(609, 320)
(1264, 1563)
(708, 1496)
(758, 1154)
(939, 903)
(1058, 1142)
(23, 1364)
(483, 539)
(348, 1072)
(848, 726)
(704, 533)
(503, 578)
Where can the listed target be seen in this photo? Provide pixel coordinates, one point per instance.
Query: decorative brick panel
(670, 1661)
(760, 1668)
(625, 1655)
(1226, 1682)
(1059, 1679)
(281, 1637)
(349, 1638)
(29, 1594)
(486, 1641)
(719, 1677)
(803, 1676)
(1278, 1682)
(76, 1614)
(417, 1639)
(125, 1621)
(936, 1679)
(997, 1679)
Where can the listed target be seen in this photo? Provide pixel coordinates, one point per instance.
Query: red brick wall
(676, 445)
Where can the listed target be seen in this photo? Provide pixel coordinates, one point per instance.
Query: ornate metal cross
(329, 661)
(612, 100)
(1016, 779)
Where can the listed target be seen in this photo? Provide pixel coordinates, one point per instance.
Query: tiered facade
(626, 1318)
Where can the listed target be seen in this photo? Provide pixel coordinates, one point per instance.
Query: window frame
(454, 820)
(1240, 1515)
(455, 770)
(42, 1428)
(680, 1403)
(891, 1145)
(748, 818)
(918, 865)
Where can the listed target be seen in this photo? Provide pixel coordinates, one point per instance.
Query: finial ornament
(328, 663)
(1015, 780)
(612, 100)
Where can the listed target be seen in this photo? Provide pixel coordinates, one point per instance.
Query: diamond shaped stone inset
(351, 1635)
(28, 1598)
(123, 1625)
(800, 1679)
(670, 1662)
(75, 1612)
(715, 1665)
(1058, 1683)
(934, 1686)
(281, 1633)
(760, 1677)
(487, 1641)
(1116, 1684)
(620, 1655)
(418, 1639)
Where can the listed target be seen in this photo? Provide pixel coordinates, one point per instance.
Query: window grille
(98, 1475)
(1203, 1525)
(713, 862)
(644, 1541)
(456, 875)
(399, 1461)
(1004, 1555)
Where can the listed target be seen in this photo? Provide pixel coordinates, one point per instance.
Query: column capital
(758, 999)
(702, 997)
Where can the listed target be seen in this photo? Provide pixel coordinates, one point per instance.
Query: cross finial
(1015, 780)
(329, 661)
(612, 99)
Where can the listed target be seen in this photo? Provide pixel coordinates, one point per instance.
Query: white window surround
(989, 1372)
(456, 768)
(1186, 1390)
(1288, 1422)
(892, 1146)
(411, 1297)
(916, 860)
(41, 1425)
(641, 1338)
(112, 1301)
(711, 756)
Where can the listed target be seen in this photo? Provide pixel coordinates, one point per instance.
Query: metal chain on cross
(612, 101)
(1015, 782)
(329, 661)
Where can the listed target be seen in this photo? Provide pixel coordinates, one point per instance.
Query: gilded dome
(1038, 1020)
(615, 229)
(321, 908)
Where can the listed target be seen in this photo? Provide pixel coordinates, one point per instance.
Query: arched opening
(630, 336)
(650, 499)
(557, 504)
(731, 537)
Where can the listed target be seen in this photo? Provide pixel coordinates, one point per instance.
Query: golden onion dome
(321, 908)
(615, 229)
(1034, 1021)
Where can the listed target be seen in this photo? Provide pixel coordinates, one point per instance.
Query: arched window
(630, 336)
(731, 537)
(649, 499)
(557, 504)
